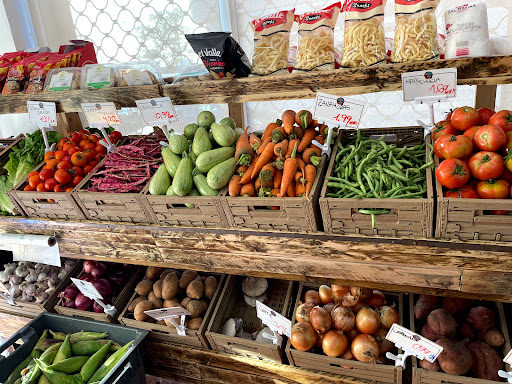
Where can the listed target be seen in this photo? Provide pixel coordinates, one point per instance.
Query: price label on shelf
(272, 319)
(508, 358)
(338, 111)
(87, 289)
(167, 313)
(101, 114)
(435, 82)
(42, 114)
(416, 344)
(157, 110)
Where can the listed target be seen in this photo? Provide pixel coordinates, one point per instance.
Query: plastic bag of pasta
(364, 42)
(415, 31)
(271, 43)
(316, 39)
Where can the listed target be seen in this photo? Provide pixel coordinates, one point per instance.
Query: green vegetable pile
(77, 358)
(22, 160)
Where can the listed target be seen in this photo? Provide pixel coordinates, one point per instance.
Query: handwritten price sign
(167, 313)
(87, 289)
(273, 320)
(42, 114)
(434, 82)
(101, 114)
(155, 110)
(338, 111)
(405, 338)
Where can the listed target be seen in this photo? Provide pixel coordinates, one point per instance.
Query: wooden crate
(378, 372)
(288, 213)
(423, 376)
(407, 217)
(195, 338)
(120, 301)
(232, 304)
(32, 310)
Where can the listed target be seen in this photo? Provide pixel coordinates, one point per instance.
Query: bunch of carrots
(283, 162)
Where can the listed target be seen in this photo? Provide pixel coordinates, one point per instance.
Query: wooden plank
(236, 112)
(485, 96)
(68, 122)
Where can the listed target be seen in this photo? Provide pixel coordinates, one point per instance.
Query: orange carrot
(297, 133)
(247, 190)
(254, 141)
(314, 123)
(268, 131)
(320, 139)
(243, 152)
(263, 145)
(310, 173)
(298, 177)
(310, 151)
(281, 148)
(278, 135)
(300, 191)
(290, 192)
(288, 119)
(304, 118)
(235, 186)
(291, 145)
(247, 177)
(323, 130)
(274, 192)
(264, 158)
(267, 172)
(277, 178)
(290, 167)
(258, 184)
(301, 165)
(241, 170)
(309, 134)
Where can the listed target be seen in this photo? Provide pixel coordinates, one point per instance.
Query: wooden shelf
(466, 269)
(347, 81)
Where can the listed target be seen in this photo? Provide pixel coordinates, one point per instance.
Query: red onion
(103, 287)
(118, 278)
(89, 265)
(82, 302)
(69, 303)
(99, 270)
(71, 292)
(86, 277)
(97, 308)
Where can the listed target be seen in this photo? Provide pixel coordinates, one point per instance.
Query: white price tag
(435, 82)
(3, 289)
(167, 313)
(157, 110)
(101, 114)
(417, 344)
(338, 111)
(42, 114)
(87, 289)
(272, 319)
(508, 358)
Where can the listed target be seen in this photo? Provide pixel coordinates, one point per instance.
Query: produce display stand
(5, 150)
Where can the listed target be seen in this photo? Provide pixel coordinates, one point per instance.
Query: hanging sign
(435, 82)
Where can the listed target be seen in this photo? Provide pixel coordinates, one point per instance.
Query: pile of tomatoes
(476, 149)
(76, 156)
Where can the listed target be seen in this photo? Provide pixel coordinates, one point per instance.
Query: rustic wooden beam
(485, 96)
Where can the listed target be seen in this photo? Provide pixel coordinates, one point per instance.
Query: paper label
(87, 289)
(406, 339)
(3, 289)
(338, 111)
(435, 82)
(98, 76)
(101, 114)
(508, 358)
(61, 81)
(273, 320)
(154, 110)
(42, 114)
(167, 313)
(134, 77)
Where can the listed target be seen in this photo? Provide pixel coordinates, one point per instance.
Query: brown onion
(367, 321)
(313, 297)
(320, 319)
(349, 300)
(352, 333)
(343, 318)
(334, 343)
(384, 344)
(362, 293)
(319, 338)
(325, 294)
(365, 348)
(303, 311)
(348, 355)
(388, 316)
(377, 299)
(303, 336)
(338, 291)
(329, 307)
(360, 304)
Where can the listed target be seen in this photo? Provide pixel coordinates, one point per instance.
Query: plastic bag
(15, 82)
(39, 73)
(364, 42)
(271, 42)
(192, 73)
(62, 79)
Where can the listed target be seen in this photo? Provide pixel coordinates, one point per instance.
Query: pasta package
(364, 42)
(271, 42)
(316, 34)
(415, 31)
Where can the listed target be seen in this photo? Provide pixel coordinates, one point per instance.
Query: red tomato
(84, 132)
(46, 174)
(62, 176)
(115, 136)
(70, 189)
(493, 189)
(464, 192)
(67, 158)
(89, 154)
(79, 159)
(471, 131)
(452, 173)
(49, 156)
(52, 164)
(59, 188)
(41, 188)
(59, 155)
(73, 150)
(93, 163)
(77, 180)
(33, 173)
(508, 144)
(50, 184)
(506, 175)
(94, 138)
(76, 171)
(34, 181)
(64, 165)
(90, 146)
(82, 143)
(98, 157)
(68, 145)
(485, 115)
(502, 119)
(449, 146)
(464, 118)
(443, 128)
(100, 149)
(63, 140)
(75, 137)
(490, 138)
(486, 165)
(449, 115)
(499, 212)
(87, 169)
(28, 188)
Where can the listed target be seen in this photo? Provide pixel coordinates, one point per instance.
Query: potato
(480, 318)
(195, 323)
(205, 305)
(434, 367)
(170, 286)
(429, 333)
(144, 287)
(455, 358)
(171, 303)
(138, 313)
(167, 271)
(195, 307)
(441, 322)
(456, 307)
(153, 273)
(425, 305)
(135, 301)
(185, 301)
(157, 303)
(187, 277)
(486, 361)
(203, 278)
(157, 288)
(465, 331)
(494, 338)
(210, 286)
(195, 289)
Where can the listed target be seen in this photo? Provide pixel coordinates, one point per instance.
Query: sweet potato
(466, 332)
(456, 307)
(455, 358)
(494, 338)
(486, 361)
(425, 305)
(427, 332)
(441, 322)
(481, 318)
(434, 367)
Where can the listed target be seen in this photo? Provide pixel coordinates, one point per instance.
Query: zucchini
(160, 181)
(183, 183)
(190, 130)
(209, 159)
(193, 156)
(203, 187)
(194, 192)
(223, 135)
(201, 142)
(238, 133)
(178, 144)
(219, 176)
(171, 160)
(170, 191)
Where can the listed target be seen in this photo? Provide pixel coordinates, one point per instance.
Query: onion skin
(362, 293)
(388, 316)
(360, 304)
(348, 355)
(303, 311)
(320, 319)
(365, 348)
(343, 319)
(338, 291)
(334, 343)
(313, 297)
(349, 300)
(303, 336)
(377, 299)
(352, 333)
(329, 307)
(325, 294)
(367, 321)
(318, 343)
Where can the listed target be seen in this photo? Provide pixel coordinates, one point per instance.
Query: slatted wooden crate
(423, 376)
(231, 304)
(194, 338)
(378, 372)
(406, 217)
(287, 213)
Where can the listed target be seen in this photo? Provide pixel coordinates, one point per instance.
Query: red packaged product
(15, 79)
(39, 73)
(4, 70)
(13, 57)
